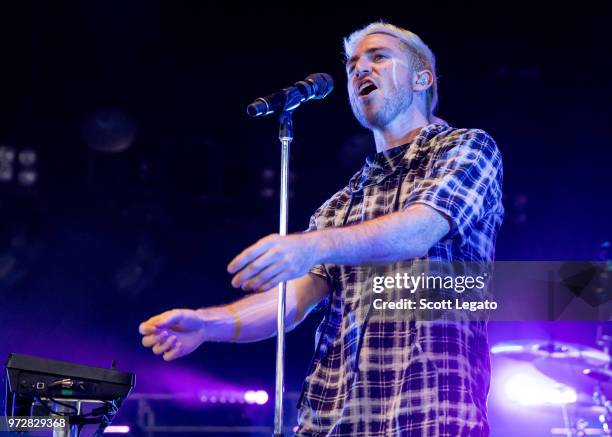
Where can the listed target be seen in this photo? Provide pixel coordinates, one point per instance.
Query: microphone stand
(285, 135)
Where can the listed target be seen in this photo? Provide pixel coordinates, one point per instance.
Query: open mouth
(366, 88)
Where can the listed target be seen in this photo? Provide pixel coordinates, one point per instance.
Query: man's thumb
(169, 319)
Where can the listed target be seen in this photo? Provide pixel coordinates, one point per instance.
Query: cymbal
(566, 353)
(563, 362)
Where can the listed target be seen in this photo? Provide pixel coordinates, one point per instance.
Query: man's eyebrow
(367, 52)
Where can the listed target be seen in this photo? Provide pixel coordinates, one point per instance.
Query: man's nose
(362, 67)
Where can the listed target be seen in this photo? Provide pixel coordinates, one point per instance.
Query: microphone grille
(323, 84)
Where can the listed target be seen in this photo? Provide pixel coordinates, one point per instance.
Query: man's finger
(169, 318)
(254, 269)
(159, 349)
(263, 277)
(150, 340)
(273, 282)
(174, 353)
(248, 255)
(147, 328)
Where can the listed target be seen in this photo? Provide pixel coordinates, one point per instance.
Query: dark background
(102, 241)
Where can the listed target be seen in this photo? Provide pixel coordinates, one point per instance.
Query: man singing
(431, 192)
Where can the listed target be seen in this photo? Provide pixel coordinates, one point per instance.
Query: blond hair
(422, 56)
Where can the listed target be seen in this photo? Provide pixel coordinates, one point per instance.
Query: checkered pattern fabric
(378, 375)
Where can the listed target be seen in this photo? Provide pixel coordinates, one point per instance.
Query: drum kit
(586, 369)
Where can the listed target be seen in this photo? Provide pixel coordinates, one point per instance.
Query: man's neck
(400, 131)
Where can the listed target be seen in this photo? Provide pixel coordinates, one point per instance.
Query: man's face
(379, 80)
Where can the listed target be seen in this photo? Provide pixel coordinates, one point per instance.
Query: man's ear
(422, 80)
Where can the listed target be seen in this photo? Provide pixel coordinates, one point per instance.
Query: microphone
(316, 86)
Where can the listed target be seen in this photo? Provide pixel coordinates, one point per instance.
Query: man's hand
(173, 333)
(275, 259)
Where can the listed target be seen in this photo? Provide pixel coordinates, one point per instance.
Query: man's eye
(378, 57)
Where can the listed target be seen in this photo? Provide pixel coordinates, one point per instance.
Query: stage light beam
(117, 429)
(525, 389)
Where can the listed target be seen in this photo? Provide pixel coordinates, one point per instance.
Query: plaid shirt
(384, 376)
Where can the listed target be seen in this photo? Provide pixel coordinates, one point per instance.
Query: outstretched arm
(402, 235)
(463, 181)
(178, 332)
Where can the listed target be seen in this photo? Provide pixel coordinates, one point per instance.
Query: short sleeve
(463, 180)
(319, 269)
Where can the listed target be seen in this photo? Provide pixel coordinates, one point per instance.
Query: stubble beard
(391, 107)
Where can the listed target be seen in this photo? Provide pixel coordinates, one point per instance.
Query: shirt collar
(382, 164)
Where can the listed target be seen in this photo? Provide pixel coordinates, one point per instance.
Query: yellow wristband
(237, 323)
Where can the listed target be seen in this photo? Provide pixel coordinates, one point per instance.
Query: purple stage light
(117, 429)
(259, 397)
(528, 389)
(505, 348)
